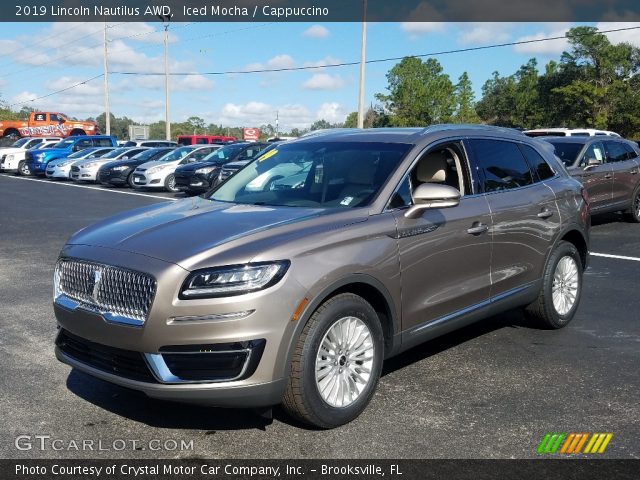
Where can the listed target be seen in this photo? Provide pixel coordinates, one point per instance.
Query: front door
(597, 179)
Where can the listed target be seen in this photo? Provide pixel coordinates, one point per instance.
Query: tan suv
(370, 243)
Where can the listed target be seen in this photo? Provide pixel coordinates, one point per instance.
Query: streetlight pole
(107, 110)
(165, 20)
(363, 59)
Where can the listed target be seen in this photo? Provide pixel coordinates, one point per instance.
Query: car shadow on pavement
(511, 319)
(602, 219)
(138, 407)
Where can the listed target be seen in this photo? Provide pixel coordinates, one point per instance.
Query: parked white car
(61, 168)
(568, 132)
(160, 173)
(86, 170)
(10, 157)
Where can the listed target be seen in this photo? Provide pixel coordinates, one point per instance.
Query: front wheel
(559, 297)
(336, 364)
(24, 169)
(170, 184)
(633, 214)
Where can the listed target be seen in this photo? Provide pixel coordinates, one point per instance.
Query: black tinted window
(502, 164)
(102, 142)
(616, 152)
(630, 151)
(538, 164)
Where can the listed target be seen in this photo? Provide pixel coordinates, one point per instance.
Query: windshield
(148, 155)
(20, 142)
(568, 152)
(177, 154)
(115, 153)
(314, 174)
(64, 143)
(224, 153)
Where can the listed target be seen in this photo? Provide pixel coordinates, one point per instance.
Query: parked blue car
(35, 162)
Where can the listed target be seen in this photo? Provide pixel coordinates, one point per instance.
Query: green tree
(465, 101)
(420, 94)
(196, 123)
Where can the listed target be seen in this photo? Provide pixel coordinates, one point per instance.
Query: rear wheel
(170, 183)
(633, 214)
(559, 297)
(336, 364)
(24, 169)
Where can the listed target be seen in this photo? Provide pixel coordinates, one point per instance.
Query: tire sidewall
(327, 415)
(23, 169)
(167, 182)
(633, 213)
(562, 250)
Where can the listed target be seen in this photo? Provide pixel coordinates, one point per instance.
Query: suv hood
(12, 150)
(176, 232)
(192, 167)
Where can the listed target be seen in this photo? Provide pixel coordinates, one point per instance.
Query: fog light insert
(219, 317)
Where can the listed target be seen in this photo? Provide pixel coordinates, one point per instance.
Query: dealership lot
(489, 391)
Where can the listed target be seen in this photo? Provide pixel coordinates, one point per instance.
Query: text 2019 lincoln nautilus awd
(360, 245)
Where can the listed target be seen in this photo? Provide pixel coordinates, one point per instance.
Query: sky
(37, 59)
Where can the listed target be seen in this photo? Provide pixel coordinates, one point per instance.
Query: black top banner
(319, 10)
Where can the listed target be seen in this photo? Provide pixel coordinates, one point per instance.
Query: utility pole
(165, 21)
(363, 59)
(277, 123)
(107, 110)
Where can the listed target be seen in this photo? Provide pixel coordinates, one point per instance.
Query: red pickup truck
(44, 124)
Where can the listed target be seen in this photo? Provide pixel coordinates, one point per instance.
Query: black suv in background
(201, 176)
(120, 173)
(609, 168)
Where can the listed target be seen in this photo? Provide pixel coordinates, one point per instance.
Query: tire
(564, 273)
(303, 398)
(633, 214)
(130, 180)
(24, 169)
(13, 135)
(170, 183)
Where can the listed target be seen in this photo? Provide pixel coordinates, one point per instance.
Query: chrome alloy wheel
(565, 285)
(636, 205)
(344, 362)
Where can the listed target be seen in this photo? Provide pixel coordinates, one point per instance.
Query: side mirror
(593, 162)
(431, 195)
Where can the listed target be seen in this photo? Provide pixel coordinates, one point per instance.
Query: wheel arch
(77, 131)
(577, 239)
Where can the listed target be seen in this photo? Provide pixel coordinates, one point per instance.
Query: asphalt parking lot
(491, 390)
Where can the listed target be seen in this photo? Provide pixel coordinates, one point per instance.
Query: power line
(57, 91)
(378, 60)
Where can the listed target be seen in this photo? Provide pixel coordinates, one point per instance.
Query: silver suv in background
(296, 295)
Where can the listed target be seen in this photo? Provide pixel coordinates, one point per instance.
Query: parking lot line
(617, 257)
(99, 189)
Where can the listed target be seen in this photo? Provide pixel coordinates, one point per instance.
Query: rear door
(525, 217)
(625, 172)
(597, 179)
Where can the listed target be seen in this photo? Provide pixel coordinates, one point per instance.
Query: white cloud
(281, 61)
(628, 36)
(418, 29)
(332, 112)
(324, 81)
(549, 47)
(328, 60)
(317, 31)
(485, 32)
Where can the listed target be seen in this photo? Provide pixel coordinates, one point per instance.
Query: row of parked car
(606, 164)
(153, 164)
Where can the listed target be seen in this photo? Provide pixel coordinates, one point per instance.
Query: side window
(630, 151)
(40, 117)
(538, 164)
(202, 141)
(53, 117)
(616, 152)
(102, 142)
(502, 165)
(82, 144)
(595, 150)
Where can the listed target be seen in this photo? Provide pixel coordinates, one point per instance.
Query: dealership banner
(582, 469)
(318, 10)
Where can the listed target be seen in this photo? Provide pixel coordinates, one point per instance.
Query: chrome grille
(107, 289)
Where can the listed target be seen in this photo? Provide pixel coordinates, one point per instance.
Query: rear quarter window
(538, 164)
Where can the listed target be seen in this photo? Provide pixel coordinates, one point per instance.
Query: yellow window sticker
(269, 154)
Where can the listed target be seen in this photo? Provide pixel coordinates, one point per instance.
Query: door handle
(477, 229)
(608, 176)
(545, 214)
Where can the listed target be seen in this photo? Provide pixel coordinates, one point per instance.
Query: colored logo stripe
(573, 443)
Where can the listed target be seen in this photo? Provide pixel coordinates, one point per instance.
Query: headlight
(205, 170)
(9, 158)
(89, 165)
(40, 157)
(232, 280)
(119, 168)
